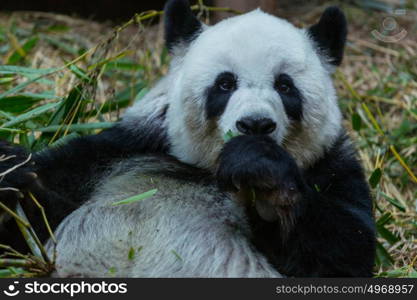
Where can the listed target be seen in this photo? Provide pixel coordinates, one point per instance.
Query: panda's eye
(226, 85)
(283, 88)
(283, 84)
(226, 82)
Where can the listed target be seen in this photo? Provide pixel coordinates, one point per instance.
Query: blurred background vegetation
(63, 76)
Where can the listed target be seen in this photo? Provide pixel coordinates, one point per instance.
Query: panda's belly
(184, 230)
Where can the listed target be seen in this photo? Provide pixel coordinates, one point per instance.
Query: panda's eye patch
(226, 82)
(219, 93)
(290, 96)
(284, 84)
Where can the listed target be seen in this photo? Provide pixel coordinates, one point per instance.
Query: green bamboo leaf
(58, 28)
(110, 59)
(131, 254)
(20, 86)
(18, 104)
(11, 272)
(384, 219)
(24, 140)
(177, 255)
(80, 73)
(28, 233)
(42, 80)
(76, 127)
(375, 178)
(66, 47)
(229, 135)
(75, 95)
(412, 274)
(63, 140)
(9, 69)
(356, 122)
(44, 95)
(29, 45)
(394, 202)
(31, 114)
(124, 65)
(141, 94)
(129, 93)
(11, 130)
(6, 80)
(136, 198)
(376, 5)
(6, 115)
(70, 105)
(396, 273)
(387, 235)
(383, 258)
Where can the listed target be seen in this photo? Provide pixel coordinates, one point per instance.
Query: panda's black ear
(181, 26)
(330, 34)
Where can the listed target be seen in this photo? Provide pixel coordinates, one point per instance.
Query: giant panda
(244, 143)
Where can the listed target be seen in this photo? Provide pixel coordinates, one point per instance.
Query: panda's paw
(266, 173)
(281, 203)
(17, 173)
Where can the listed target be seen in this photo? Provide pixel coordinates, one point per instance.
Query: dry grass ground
(73, 77)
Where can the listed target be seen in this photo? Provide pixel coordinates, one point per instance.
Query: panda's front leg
(301, 230)
(265, 177)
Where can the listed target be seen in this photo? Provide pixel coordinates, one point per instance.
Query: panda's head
(252, 74)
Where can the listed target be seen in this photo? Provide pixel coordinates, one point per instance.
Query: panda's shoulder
(340, 156)
(339, 171)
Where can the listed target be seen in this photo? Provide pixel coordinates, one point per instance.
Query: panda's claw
(32, 175)
(16, 179)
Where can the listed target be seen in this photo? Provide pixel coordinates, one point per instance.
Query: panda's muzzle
(255, 125)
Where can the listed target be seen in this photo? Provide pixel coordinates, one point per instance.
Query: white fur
(149, 107)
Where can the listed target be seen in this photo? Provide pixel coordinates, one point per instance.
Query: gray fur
(185, 230)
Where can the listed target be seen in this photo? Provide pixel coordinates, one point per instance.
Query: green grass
(378, 89)
(59, 81)
(53, 88)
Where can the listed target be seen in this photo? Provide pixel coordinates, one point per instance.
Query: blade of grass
(405, 166)
(77, 127)
(21, 53)
(31, 114)
(30, 237)
(45, 219)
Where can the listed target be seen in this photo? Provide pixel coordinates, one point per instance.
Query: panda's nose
(252, 126)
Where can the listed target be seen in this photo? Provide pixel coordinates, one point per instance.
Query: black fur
(218, 97)
(181, 26)
(10, 156)
(292, 99)
(330, 34)
(330, 228)
(66, 175)
(20, 177)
